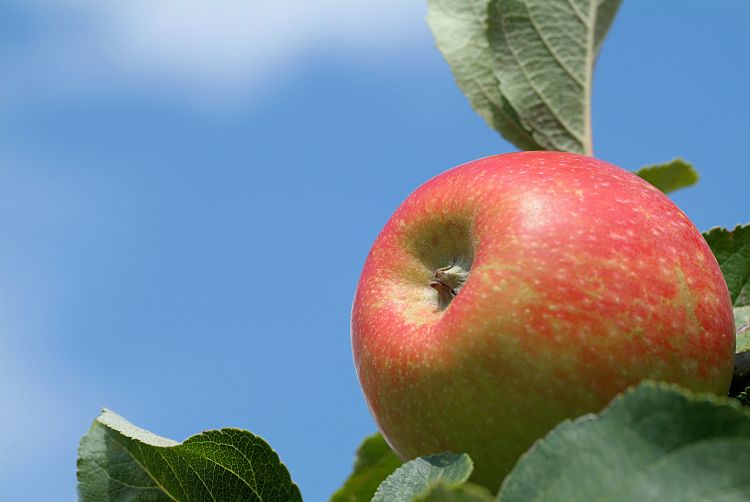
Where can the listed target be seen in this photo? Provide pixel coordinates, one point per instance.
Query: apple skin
(583, 279)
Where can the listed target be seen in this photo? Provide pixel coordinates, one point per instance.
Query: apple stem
(447, 281)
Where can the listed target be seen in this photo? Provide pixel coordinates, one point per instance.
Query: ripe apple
(515, 291)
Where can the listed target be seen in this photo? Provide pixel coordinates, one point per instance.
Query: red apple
(515, 291)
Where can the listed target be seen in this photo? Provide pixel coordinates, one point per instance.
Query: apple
(518, 290)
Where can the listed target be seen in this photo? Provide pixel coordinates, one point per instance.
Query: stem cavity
(447, 281)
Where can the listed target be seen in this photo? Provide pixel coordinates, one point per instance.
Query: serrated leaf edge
(169, 443)
(659, 385)
(719, 229)
(435, 481)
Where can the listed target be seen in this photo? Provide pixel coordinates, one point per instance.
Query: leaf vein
(533, 87)
(148, 473)
(553, 52)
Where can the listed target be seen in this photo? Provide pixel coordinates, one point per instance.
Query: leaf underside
(654, 443)
(742, 325)
(460, 493)
(526, 66)
(417, 477)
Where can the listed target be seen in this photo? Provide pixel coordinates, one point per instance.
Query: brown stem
(447, 281)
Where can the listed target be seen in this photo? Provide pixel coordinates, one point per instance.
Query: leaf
(460, 31)
(545, 52)
(416, 477)
(117, 461)
(742, 325)
(656, 442)
(744, 397)
(526, 65)
(741, 373)
(669, 176)
(375, 461)
(466, 492)
(732, 251)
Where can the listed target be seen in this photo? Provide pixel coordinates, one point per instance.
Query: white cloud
(205, 49)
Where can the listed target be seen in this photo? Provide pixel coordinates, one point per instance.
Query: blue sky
(188, 193)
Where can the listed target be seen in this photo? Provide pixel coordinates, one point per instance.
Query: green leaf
(741, 373)
(545, 52)
(669, 176)
(117, 461)
(460, 31)
(742, 324)
(375, 461)
(467, 492)
(656, 442)
(526, 65)
(416, 477)
(744, 397)
(732, 251)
